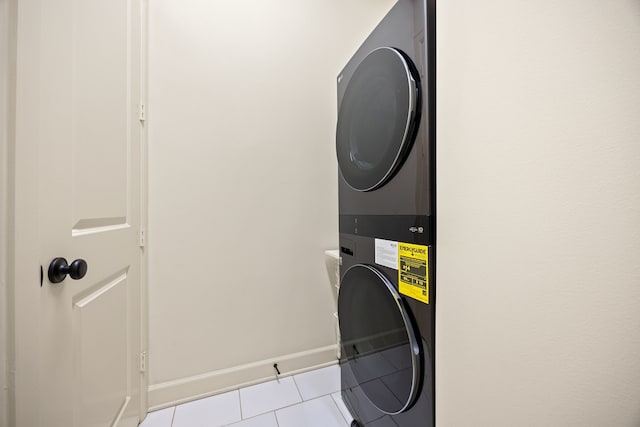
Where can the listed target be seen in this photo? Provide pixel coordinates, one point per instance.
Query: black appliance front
(385, 144)
(387, 345)
(385, 134)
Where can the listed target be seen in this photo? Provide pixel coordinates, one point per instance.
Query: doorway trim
(144, 204)
(8, 17)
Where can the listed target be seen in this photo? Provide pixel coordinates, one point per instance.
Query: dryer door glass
(378, 339)
(378, 118)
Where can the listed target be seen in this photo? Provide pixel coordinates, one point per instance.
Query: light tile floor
(310, 399)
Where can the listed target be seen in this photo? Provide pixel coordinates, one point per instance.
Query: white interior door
(77, 151)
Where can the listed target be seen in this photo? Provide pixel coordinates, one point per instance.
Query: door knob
(58, 269)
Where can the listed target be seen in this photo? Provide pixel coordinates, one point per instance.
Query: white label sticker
(387, 253)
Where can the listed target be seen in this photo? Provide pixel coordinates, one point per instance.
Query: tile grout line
(297, 387)
(282, 407)
(240, 403)
(250, 418)
(275, 411)
(297, 403)
(173, 415)
(311, 400)
(339, 410)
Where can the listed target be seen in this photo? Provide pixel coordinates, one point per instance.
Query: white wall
(243, 186)
(538, 213)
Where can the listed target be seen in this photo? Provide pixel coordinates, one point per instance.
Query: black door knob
(58, 269)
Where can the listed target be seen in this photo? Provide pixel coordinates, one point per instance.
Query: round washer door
(379, 342)
(377, 119)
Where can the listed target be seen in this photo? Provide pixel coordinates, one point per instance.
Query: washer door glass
(378, 339)
(377, 119)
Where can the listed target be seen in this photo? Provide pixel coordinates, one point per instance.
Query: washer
(385, 144)
(386, 362)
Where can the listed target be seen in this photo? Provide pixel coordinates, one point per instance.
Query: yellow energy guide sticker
(413, 271)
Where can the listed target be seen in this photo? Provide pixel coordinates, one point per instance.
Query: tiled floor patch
(309, 399)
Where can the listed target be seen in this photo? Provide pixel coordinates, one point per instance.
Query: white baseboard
(186, 389)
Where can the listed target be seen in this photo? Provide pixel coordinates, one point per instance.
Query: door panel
(101, 116)
(100, 352)
(78, 90)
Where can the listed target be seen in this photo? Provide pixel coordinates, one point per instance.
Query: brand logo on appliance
(416, 229)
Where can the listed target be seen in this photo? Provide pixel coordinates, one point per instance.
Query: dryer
(385, 144)
(385, 131)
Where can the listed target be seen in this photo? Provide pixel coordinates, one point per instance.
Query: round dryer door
(379, 342)
(378, 118)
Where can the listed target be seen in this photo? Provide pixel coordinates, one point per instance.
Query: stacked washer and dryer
(385, 144)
